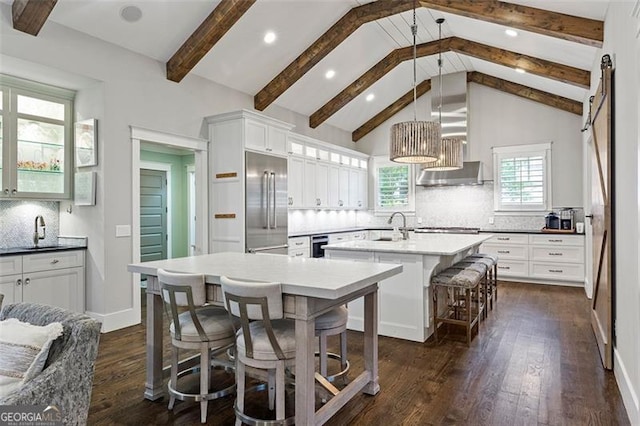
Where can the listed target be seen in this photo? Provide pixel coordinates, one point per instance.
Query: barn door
(601, 203)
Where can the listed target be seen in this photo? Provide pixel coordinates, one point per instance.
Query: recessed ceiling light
(270, 37)
(520, 70)
(370, 97)
(511, 33)
(131, 13)
(330, 74)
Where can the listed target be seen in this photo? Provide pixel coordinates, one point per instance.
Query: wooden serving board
(558, 231)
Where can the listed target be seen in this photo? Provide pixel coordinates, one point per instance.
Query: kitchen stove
(446, 230)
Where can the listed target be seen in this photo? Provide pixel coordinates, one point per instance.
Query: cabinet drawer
(303, 252)
(506, 251)
(512, 268)
(562, 254)
(338, 238)
(561, 240)
(10, 265)
(54, 260)
(509, 239)
(359, 235)
(298, 243)
(557, 271)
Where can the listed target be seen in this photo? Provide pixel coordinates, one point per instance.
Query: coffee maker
(566, 219)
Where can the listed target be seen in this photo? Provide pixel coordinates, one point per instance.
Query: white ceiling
(241, 59)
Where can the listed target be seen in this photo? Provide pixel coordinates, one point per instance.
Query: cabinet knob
(6, 191)
(27, 281)
(14, 191)
(54, 261)
(19, 282)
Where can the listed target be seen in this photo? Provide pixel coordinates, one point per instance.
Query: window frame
(409, 208)
(530, 150)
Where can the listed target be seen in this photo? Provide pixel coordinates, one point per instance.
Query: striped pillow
(23, 351)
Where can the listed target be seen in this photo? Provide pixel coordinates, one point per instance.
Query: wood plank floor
(535, 362)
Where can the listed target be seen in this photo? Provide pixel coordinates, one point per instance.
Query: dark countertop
(524, 231)
(389, 228)
(12, 251)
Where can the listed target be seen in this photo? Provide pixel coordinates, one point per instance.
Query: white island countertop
(426, 244)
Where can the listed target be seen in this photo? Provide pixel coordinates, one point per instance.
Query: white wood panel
(557, 271)
(513, 268)
(10, 265)
(509, 239)
(506, 252)
(557, 254)
(562, 240)
(52, 261)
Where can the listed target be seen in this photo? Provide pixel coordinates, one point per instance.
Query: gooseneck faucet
(36, 234)
(404, 230)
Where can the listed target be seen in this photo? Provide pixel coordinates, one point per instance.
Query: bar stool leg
(271, 383)
(205, 368)
(240, 385)
(343, 351)
(174, 374)
(435, 313)
(280, 415)
(323, 354)
(468, 303)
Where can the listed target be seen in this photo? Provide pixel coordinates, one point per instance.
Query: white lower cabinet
(545, 258)
(299, 247)
(53, 278)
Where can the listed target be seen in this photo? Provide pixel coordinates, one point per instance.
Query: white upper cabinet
(322, 184)
(261, 136)
(296, 187)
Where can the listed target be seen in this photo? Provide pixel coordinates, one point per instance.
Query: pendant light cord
(414, 31)
(440, 21)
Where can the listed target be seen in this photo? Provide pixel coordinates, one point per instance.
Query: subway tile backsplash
(17, 220)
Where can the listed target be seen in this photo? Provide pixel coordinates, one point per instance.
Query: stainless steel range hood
(469, 174)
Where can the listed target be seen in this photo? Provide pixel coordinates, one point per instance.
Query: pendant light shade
(450, 158)
(415, 142)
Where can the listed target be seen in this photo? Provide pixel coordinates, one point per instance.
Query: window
(394, 186)
(522, 176)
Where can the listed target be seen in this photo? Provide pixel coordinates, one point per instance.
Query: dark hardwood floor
(534, 362)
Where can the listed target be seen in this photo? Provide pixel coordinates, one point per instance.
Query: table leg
(371, 341)
(305, 364)
(153, 385)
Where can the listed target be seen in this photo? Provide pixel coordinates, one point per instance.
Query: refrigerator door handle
(257, 250)
(272, 175)
(266, 194)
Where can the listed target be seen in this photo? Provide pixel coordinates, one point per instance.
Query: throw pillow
(23, 351)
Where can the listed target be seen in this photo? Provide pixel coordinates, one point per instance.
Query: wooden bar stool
(265, 340)
(207, 328)
(492, 273)
(459, 285)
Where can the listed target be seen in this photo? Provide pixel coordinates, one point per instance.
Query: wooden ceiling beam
(530, 64)
(372, 75)
(566, 27)
(541, 67)
(328, 41)
(212, 29)
(30, 15)
(526, 92)
(404, 101)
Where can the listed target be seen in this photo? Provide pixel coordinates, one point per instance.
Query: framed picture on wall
(84, 189)
(86, 142)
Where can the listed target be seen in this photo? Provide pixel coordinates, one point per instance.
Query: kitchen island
(405, 309)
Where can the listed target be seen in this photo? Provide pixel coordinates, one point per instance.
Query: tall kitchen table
(310, 287)
(405, 299)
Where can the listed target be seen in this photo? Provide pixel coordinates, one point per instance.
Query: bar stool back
(265, 340)
(206, 328)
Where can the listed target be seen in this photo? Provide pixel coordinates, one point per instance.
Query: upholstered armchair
(67, 377)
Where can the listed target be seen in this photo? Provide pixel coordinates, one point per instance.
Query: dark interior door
(153, 215)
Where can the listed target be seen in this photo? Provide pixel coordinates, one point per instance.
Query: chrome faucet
(36, 235)
(404, 230)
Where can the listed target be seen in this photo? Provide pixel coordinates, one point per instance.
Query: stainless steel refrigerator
(266, 204)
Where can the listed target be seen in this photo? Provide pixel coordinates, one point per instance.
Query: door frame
(163, 167)
(191, 226)
(200, 147)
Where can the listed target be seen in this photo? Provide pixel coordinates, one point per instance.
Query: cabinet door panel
(61, 288)
(322, 184)
(334, 186)
(343, 187)
(53, 260)
(256, 135)
(10, 265)
(309, 195)
(296, 182)
(354, 188)
(277, 141)
(363, 190)
(11, 287)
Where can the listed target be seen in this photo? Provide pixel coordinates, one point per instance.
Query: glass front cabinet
(36, 157)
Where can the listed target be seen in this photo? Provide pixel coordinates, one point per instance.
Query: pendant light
(450, 156)
(415, 141)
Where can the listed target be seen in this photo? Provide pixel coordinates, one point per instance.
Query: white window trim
(540, 149)
(383, 161)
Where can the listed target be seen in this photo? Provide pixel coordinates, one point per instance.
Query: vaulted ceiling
(368, 45)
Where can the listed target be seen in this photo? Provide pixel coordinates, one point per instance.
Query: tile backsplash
(466, 206)
(17, 220)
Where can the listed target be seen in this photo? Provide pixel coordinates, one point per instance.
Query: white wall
(121, 88)
(621, 43)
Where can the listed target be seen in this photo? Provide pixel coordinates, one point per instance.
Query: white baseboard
(116, 320)
(629, 396)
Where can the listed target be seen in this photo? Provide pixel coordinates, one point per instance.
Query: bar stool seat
(492, 273)
(214, 321)
(458, 280)
(333, 323)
